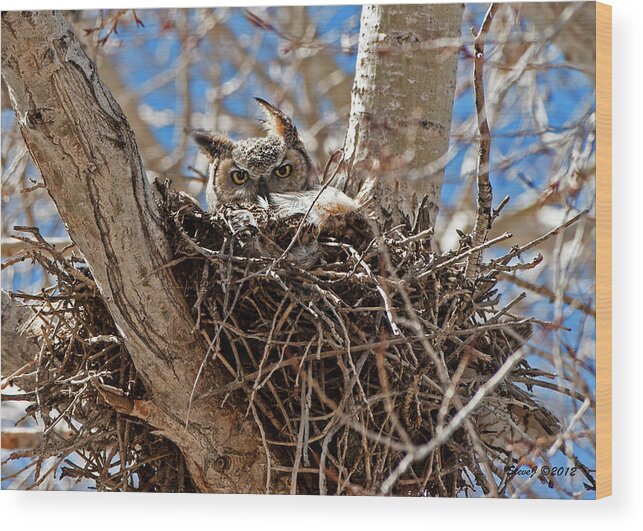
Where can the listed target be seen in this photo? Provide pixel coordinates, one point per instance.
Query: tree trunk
(402, 98)
(88, 157)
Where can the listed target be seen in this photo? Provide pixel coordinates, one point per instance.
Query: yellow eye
(239, 177)
(283, 171)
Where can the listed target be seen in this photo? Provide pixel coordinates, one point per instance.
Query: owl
(243, 173)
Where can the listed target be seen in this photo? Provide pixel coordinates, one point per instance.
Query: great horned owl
(242, 172)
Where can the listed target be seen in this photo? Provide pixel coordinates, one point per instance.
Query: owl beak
(262, 188)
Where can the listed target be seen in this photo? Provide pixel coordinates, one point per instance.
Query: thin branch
(547, 293)
(485, 191)
(442, 436)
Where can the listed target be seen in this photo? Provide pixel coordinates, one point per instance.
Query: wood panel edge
(603, 250)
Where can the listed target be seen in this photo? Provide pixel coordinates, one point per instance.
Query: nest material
(84, 438)
(345, 356)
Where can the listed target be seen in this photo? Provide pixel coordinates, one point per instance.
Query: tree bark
(85, 150)
(402, 98)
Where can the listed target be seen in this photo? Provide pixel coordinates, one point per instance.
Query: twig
(519, 249)
(469, 253)
(442, 436)
(485, 191)
(548, 293)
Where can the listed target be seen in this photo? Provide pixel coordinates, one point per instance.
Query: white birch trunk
(402, 98)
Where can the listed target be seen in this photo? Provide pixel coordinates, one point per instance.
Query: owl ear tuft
(214, 145)
(278, 123)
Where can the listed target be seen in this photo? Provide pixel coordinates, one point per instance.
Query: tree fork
(87, 155)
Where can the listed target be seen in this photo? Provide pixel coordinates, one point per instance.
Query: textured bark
(401, 108)
(87, 155)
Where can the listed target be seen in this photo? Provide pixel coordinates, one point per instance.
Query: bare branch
(485, 191)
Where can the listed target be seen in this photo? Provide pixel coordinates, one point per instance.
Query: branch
(20, 438)
(442, 436)
(19, 349)
(578, 40)
(548, 293)
(485, 191)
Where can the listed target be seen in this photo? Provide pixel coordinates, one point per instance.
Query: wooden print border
(603, 250)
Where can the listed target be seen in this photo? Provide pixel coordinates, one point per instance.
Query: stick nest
(351, 349)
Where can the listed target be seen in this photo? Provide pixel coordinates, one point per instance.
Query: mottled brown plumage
(241, 172)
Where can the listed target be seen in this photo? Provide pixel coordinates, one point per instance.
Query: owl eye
(239, 177)
(283, 171)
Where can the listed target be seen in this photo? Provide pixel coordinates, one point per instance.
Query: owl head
(242, 172)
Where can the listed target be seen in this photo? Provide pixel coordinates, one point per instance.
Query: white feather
(330, 201)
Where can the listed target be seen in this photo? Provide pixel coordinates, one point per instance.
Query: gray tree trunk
(400, 121)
